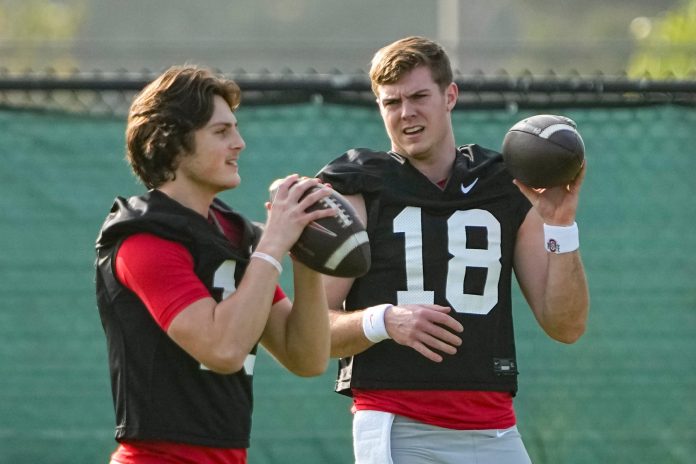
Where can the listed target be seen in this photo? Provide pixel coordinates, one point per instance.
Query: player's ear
(451, 93)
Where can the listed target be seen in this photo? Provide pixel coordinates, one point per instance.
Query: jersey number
(224, 279)
(409, 223)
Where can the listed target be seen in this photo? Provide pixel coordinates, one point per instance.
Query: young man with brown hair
(426, 337)
(187, 287)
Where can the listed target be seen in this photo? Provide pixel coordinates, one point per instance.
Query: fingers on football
(577, 182)
(314, 197)
(527, 191)
(283, 186)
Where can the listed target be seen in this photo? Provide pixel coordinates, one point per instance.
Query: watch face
(552, 246)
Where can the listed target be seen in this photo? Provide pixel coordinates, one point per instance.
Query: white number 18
(409, 222)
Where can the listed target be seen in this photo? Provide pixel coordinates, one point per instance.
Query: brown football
(336, 245)
(544, 150)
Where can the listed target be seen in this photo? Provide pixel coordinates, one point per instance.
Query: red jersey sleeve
(160, 272)
(173, 287)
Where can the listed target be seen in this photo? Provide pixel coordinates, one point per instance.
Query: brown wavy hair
(393, 61)
(164, 116)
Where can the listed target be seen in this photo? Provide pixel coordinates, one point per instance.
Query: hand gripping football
(544, 151)
(336, 245)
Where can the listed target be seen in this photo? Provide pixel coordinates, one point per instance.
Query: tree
(666, 46)
(40, 32)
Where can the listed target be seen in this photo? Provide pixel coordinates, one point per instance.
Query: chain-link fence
(622, 394)
(111, 93)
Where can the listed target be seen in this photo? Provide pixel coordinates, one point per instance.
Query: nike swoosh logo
(322, 229)
(466, 189)
(502, 433)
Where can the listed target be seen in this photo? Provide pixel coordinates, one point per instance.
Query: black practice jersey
(451, 247)
(159, 391)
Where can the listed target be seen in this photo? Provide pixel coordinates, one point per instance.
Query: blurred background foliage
(638, 38)
(665, 45)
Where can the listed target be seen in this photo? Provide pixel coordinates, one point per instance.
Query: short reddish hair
(393, 61)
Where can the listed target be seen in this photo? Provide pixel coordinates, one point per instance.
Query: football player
(425, 338)
(187, 287)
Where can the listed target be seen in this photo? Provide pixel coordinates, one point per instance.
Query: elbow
(306, 373)
(569, 335)
(309, 364)
(566, 326)
(310, 370)
(225, 363)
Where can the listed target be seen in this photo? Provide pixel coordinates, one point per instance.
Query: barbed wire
(111, 93)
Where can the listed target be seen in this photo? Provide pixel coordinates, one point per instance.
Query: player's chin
(233, 181)
(419, 143)
(411, 148)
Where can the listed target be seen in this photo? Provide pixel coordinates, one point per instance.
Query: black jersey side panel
(451, 247)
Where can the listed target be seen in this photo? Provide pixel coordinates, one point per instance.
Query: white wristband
(373, 323)
(269, 259)
(561, 239)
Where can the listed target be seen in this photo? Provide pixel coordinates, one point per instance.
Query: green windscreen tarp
(623, 394)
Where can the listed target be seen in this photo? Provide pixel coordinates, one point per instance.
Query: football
(337, 245)
(544, 150)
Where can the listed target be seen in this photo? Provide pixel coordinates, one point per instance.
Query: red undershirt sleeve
(161, 273)
(278, 295)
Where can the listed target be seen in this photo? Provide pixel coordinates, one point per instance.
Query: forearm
(220, 335)
(347, 336)
(241, 318)
(566, 302)
(307, 336)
